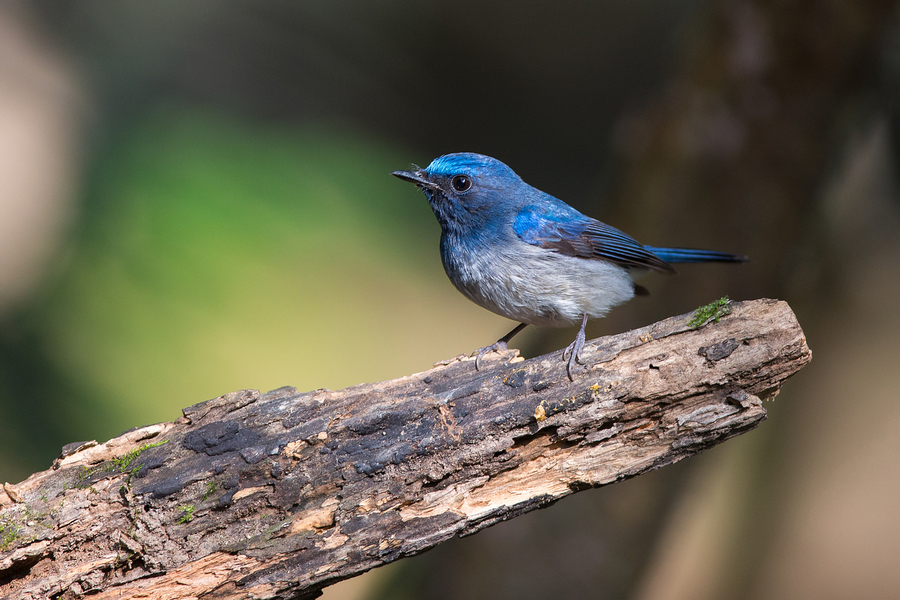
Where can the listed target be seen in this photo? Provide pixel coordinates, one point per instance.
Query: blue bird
(530, 257)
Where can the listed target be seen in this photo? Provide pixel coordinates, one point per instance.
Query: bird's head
(467, 190)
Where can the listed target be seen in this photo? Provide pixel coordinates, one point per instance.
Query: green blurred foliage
(216, 254)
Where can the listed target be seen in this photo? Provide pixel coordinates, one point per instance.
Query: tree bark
(278, 495)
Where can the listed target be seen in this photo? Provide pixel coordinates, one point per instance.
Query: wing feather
(574, 234)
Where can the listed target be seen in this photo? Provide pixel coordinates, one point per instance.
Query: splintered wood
(280, 494)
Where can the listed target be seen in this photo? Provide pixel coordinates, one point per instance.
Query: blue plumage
(528, 256)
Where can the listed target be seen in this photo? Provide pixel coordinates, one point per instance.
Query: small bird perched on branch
(530, 257)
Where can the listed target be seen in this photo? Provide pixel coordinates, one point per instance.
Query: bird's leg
(499, 345)
(573, 352)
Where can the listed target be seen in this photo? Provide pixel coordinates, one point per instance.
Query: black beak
(416, 177)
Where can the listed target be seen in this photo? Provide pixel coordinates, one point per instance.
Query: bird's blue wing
(571, 233)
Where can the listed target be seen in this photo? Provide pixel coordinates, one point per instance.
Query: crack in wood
(282, 493)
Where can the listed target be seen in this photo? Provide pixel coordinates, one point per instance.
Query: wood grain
(277, 495)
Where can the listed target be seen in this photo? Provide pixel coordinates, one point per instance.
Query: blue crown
(469, 163)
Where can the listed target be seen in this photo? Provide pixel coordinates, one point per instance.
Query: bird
(530, 257)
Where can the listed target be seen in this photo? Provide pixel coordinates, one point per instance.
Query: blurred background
(195, 198)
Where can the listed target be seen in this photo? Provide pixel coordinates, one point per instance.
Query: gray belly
(537, 286)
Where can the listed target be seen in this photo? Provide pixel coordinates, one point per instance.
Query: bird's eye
(461, 183)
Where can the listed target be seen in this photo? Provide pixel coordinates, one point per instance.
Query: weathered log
(278, 495)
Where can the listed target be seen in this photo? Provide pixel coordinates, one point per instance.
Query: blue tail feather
(691, 255)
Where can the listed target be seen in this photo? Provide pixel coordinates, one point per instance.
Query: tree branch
(280, 494)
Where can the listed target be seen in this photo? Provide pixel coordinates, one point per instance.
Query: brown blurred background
(195, 199)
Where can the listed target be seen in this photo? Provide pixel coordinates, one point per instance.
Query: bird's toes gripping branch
(572, 353)
(498, 346)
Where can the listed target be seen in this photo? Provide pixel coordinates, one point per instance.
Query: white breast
(537, 286)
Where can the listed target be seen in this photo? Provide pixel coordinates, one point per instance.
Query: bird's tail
(690, 255)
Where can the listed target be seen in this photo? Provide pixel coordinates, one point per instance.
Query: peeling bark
(278, 495)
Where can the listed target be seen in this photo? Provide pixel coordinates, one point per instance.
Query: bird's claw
(572, 353)
(499, 346)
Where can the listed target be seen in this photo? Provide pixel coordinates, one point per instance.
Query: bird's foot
(572, 353)
(499, 346)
